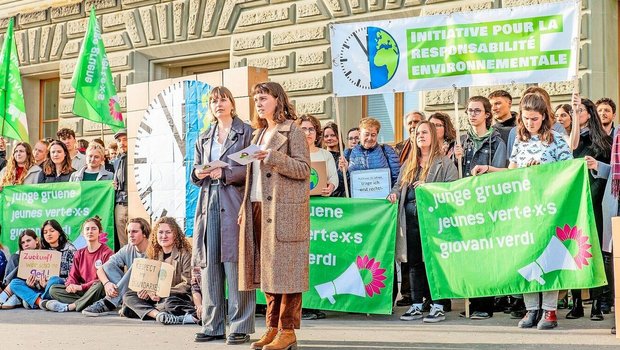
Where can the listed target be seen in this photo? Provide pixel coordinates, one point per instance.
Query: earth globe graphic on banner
(383, 56)
(314, 178)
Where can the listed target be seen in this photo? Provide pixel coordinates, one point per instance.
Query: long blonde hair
(414, 161)
(10, 176)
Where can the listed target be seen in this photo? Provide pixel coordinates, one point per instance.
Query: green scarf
(478, 140)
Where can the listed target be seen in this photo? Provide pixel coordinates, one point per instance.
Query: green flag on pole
(12, 106)
(95, 94)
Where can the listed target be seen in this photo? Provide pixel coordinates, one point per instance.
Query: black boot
(577, 310)
(596, 314)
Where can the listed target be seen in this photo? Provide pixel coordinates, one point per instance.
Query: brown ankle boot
(267, 338)
(285, 340)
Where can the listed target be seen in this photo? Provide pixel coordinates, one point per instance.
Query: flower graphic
(377, 274)
(114, 111)
(103, 238)
(576, 242)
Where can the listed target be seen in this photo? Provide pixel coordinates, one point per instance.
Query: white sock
(417, 306)
(438, 306)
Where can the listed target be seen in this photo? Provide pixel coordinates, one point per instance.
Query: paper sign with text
(39, 263)
(151, 275)
(371, 184)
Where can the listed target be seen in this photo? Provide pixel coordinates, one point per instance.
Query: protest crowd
(252, 222)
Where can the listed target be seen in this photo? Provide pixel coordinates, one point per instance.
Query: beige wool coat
(280, 264)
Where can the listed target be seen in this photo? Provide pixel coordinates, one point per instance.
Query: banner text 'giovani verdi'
(522, 44)
(69, 203)
(518, 231)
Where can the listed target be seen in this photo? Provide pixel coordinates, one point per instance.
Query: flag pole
(574, 134)
(341, 146)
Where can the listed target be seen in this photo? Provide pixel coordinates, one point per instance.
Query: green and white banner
(351, 255)
(69, 203)
(518, 231)
(521, 44)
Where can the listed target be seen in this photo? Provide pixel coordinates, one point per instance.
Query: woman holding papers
(21, 168)
(536, 143)
(216, 232)
(275, 217)
(35, 289)
(312, 128)
(426, 163)
(167, 244)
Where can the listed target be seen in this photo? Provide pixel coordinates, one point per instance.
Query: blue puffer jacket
(381, 156)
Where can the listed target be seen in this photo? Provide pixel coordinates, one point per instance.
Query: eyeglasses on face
(309, 130)
(476, 111)
(353, 138)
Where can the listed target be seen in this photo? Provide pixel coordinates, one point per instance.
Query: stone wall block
(102, 6)
(515, 90)
(137, 3)
(393, 4)
(303, 84)
(238, 62)
(446, 9)
(164, 22)
(134, 27)
(113, 21)
(67, 12)
(313, 59)
(299, 36)
(116, 41)
(318, 106)
(358, 6)
(311, 11)
(21, 41)
(584, 55)
(180, 19)
(516, 3)
(409, 3)
(59, 41)
(126, 78)
(276, 63)
(337, 8)
(212, 13)
(585, 26)
(4, 23)
(148, 18)
(67, 67)
(565, 88)
(266, 17)
(65, 88)
(77, 28)
(250, 43)
(65, 107)
(443, 99)
(194, 24)
(47, 35)
(228, 16)
(34, 44)
(31, 19)
(376, 5)
(72, 48)
(120, 61)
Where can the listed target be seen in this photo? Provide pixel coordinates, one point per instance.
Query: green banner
(518, 231)
(12, 107)
(69, 203)
(95, 92)
(351, 255)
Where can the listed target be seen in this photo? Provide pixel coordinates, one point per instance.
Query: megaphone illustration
(349, 282)
(555, 257)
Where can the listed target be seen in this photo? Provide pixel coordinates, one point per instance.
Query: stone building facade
(149, 40)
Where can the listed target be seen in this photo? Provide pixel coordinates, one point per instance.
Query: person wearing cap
(120, 183)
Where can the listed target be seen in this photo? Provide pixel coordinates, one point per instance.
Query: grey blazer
(231, 190)
(443, 170)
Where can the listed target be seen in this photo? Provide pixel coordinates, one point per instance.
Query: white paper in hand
(211, 165)
(246, 155)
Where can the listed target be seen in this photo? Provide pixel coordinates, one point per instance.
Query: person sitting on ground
(57, 168)
(27, 240)
(113, 280)
(168, 245)
(35, 289)
(94, 169)
(76, 294)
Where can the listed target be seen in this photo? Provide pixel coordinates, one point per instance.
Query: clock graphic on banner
(368, 58)
(164, 151)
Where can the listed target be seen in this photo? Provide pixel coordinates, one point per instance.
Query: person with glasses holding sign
(353, 137)
(481, 146)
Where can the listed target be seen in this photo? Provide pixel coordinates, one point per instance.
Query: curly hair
(153, 250)
(284, 108)
(10, 175)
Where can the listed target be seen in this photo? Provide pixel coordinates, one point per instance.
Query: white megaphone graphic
(349, 282)
(555, 257)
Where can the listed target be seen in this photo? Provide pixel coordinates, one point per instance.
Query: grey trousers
(176, 304)
(215, 276)
(81, 299)
(121, 279)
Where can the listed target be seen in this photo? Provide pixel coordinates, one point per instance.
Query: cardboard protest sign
(39, 263)
(151, 275)
(318, 177)
(371, 184)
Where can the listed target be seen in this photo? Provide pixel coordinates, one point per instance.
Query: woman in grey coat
(216, 232)
(94, 170)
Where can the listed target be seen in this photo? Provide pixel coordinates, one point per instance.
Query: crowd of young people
(251, 222)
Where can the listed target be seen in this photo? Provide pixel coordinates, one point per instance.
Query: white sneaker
(413, 313)
(436, 314)
(12, 302)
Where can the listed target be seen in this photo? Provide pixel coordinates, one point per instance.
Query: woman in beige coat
(275, 217)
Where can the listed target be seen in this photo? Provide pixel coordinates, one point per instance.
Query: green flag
(95, 94)
(12, 106)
